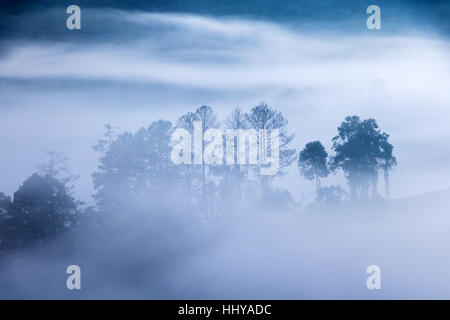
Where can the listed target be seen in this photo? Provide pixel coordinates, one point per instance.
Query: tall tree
(57, 167)
(232, 176)
(264, 117)
(360, 151)
(208, 119)
(312, 162)
(388, 161)
(238, 172)
(188, 174)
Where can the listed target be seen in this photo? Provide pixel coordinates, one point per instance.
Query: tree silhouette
(103, 144)
(5, 204)
(188, 173)
(361, 149)
(388, 161)
(57, 167)
(232, 176)
(312, 162)
(264, 117)
(208, 119)
(5, 209)
(136, 168)
(237, 173)
(42, 209)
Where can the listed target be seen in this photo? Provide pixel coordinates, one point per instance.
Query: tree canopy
(42, 209)
(361, 149)
(312, 162)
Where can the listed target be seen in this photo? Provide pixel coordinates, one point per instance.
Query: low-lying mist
(162, 253)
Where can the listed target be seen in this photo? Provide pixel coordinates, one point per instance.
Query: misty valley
(224, 150)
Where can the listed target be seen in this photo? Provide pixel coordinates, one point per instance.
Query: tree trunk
(317, 184)
(203, 166)
(386, 184)
(317, 190)
(375, 186)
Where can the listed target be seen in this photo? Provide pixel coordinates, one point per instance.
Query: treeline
(135, 173)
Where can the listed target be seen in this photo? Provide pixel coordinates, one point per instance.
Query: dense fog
(281, 256)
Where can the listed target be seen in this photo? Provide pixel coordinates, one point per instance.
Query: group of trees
(138, 167)
(361, 150)
(136, 171)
